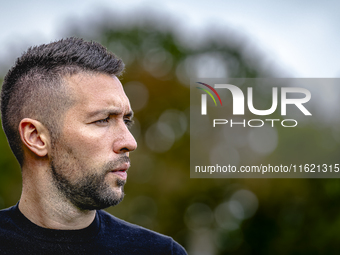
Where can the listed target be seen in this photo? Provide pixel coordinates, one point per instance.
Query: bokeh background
(164, 44)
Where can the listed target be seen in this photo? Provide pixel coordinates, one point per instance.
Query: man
(66, 118)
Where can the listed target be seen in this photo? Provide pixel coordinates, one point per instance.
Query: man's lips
(121, 171)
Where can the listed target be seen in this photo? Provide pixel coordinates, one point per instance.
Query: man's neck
(44, 207)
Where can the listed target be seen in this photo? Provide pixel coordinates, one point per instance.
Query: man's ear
(35, 136)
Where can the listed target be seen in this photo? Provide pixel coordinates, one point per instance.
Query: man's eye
(128, 122)
(103, 120)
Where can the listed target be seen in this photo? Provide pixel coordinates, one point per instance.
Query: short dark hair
(35, 86)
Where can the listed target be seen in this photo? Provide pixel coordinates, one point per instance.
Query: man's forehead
(97, 90)
(87, 81)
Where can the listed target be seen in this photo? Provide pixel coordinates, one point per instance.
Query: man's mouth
(121, 171)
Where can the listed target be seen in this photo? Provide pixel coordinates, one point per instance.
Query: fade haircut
(35, 86)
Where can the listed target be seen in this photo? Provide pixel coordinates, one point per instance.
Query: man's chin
(104, 202)
(113, 201)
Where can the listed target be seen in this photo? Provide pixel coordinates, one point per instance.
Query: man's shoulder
(132, 233)
(8, 211)
(107, 233)
(110, 222)
(6, 217)
(9, 229)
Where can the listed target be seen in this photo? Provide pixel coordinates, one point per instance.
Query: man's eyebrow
(129, 114)
(107, 112)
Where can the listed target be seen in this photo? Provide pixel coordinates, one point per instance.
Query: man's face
(90, 158)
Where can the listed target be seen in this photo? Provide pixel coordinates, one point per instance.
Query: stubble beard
(90, 191)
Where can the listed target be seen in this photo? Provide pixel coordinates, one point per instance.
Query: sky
(302, 37)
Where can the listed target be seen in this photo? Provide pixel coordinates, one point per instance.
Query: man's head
(35, 86)
(69, 89)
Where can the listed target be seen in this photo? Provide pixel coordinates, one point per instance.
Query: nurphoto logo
(264, 127)
(238, 107)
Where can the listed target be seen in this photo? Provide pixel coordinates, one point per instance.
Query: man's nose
(125, 142)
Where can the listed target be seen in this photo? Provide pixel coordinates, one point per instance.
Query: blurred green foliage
(294, 216)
